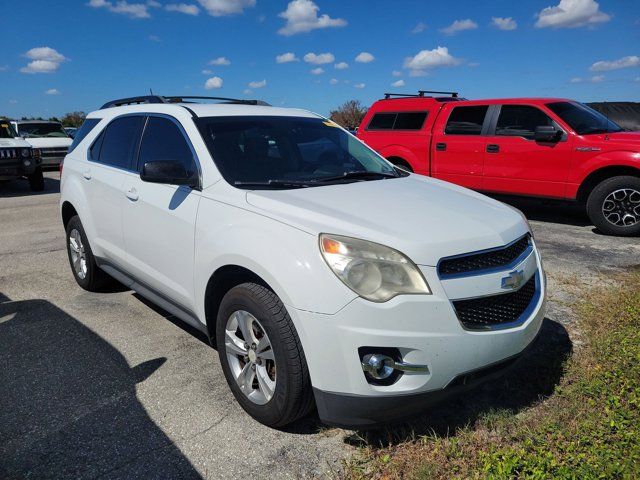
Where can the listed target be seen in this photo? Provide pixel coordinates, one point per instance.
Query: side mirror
(171, 172)
(547, 134)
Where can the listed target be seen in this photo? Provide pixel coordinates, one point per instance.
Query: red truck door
(516, 163)
(458, 145)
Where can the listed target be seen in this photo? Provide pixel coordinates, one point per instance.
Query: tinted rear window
(83, 131)
(397, 121)
(466, 120)
(382, 121)
(120, 140)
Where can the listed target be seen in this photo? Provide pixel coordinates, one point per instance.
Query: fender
(285, 256)
(404, 153)
(584, 167)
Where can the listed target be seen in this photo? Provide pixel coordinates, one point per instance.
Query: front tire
(36, 180)
(83, 264)
(614, 206)
(261, 356)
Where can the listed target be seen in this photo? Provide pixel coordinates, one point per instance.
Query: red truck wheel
(614, 206)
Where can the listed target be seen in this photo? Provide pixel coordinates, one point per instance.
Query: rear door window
(466, 120)
(520, 121)
(120, 141)
(397, 121)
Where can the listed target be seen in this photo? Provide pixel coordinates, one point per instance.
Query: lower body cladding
(372, 363)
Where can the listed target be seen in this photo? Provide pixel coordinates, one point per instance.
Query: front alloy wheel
(250, 357)
(614, 206)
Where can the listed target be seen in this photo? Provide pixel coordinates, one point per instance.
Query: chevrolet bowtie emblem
(514, 280)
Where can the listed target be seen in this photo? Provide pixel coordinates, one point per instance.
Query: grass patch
(576, 418)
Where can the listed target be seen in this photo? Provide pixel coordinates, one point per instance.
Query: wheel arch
(601, 174)
(67, 212)
(221, 281)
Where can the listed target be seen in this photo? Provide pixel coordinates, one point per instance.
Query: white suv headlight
(373, 271)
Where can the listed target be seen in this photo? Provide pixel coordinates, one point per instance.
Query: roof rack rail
(177, 99)
(420, 94)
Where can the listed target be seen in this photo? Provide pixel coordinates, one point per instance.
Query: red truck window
(466, 120)
(520, 121)
(397, 121)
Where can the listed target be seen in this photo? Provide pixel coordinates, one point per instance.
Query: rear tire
(289, 393)
(83, 264)
(36, 180)
(400, 163)
(614, 206)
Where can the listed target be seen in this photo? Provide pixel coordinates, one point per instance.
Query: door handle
(493, 148)
(87, 174)
(441, 147)
(132, 194)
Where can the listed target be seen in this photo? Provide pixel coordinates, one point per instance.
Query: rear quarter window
(88, 125)
(397, 121)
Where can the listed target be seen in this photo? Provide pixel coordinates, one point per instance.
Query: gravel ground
(105, 385)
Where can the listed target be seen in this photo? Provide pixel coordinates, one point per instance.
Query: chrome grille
(6, 153)
(485, 260)
(488, 312)
(53, 152)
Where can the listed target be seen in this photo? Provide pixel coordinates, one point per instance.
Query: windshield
(289, 152)
(582, 119)
(45, 129)
(6, 130)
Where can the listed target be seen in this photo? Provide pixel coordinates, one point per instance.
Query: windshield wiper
(274, 183)
(355, 175)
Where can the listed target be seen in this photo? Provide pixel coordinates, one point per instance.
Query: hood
(424, 218)
(13, 143)
(629, 140)
(54, 142)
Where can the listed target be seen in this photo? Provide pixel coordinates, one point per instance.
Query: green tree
(73, 119)
(349, 114)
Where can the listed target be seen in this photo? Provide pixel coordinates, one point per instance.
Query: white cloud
(302, 16)
(131, 10)
(247, 91)
(398, 83)
(317, 71)
(183, 8)
(459, 26)
(319, 59)
(220, 61)
(333, 81)
(420, 27)
(154, 38)
(341, 66)
(594, 79)
(287, 57)
(624, 62)
(365, 57)
(261, 84)
(571, 14)
(221, 8)
(213, 82)
(52, 91)
(43, 60)
(206, 71)
(430, 59)
(504, 23)
(396, 73)
(359, 85)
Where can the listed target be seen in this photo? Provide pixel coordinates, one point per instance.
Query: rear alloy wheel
(83, 265)
(261, 356)
(614, 206)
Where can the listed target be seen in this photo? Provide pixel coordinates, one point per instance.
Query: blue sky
(75, 55)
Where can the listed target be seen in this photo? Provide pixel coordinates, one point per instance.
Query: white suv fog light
(377, 365)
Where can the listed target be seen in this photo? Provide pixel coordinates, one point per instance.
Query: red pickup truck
(542, 147)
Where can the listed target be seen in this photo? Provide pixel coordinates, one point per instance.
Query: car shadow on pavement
(550, 211)
(20, 187)
(533, 377)
(68, 407)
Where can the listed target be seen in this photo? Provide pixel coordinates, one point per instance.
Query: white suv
(320, 272)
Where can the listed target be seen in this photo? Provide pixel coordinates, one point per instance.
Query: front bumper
(425, 330)
(18, 167)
